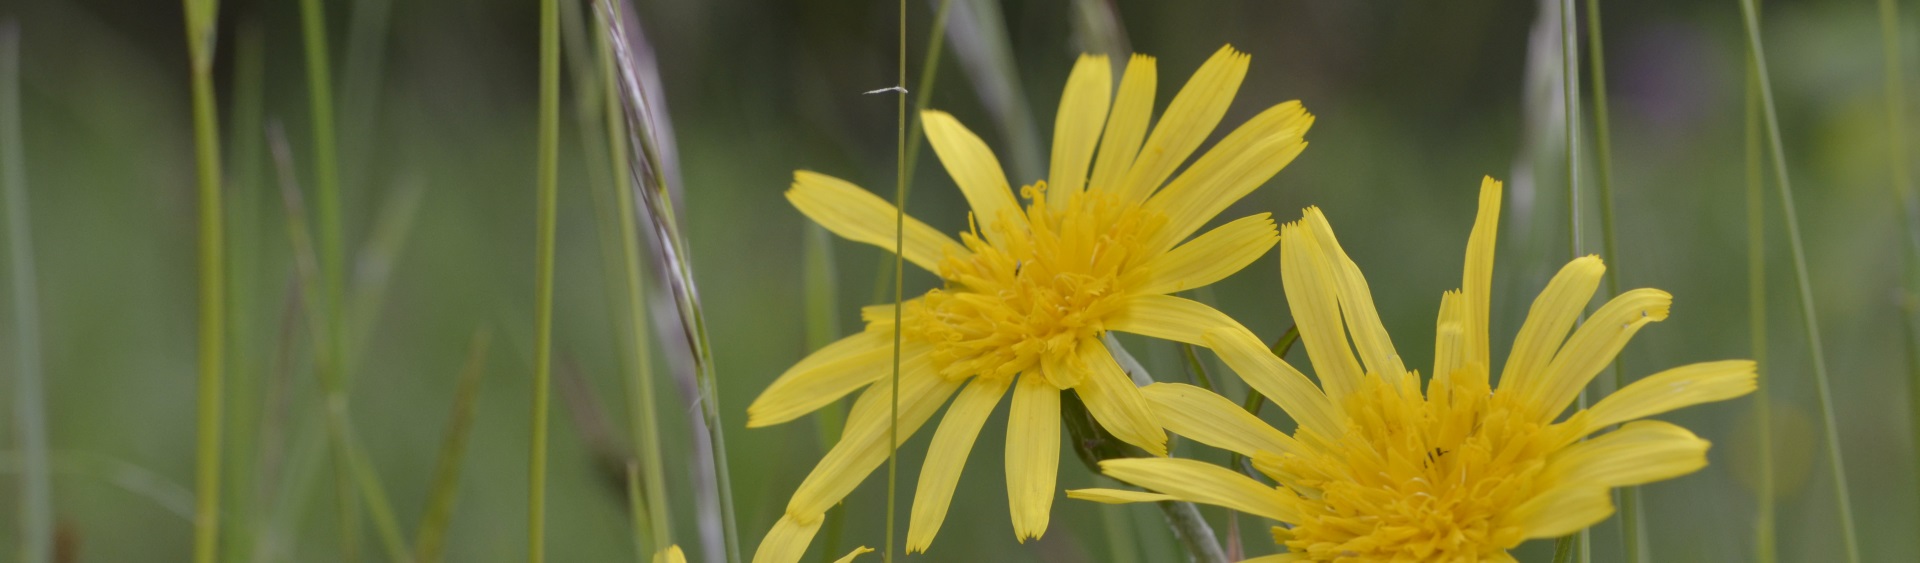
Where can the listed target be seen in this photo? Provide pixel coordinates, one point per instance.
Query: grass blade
(899, 264)
(29, 395)
(1766, 550)
(923, 94)
(244, 285)
(822, 299)
(1808, 315)
(201, 18)
(979, 35)
(657, 202)
(546, 195)
(1576, 544)
(1903, 195)
(430, 542)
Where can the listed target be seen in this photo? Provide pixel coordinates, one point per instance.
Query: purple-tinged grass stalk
(1809, 317)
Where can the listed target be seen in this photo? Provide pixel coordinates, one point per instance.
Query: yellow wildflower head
(1378, 470)
(1033, 286)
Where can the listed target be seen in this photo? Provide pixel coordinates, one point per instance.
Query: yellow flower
(1376, 471)
(1031, 290)
(672, 554)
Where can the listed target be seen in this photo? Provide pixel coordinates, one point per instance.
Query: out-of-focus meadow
(436, 116)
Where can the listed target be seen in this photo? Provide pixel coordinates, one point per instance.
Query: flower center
(1045, 285)
(1418, 478)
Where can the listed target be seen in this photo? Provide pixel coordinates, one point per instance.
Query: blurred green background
(1415, 102)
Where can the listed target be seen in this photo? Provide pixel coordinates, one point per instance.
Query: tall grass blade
(922, 95)
(1766, 550)
(430, 540)
(373, 273)
(29, 394)
(822, 299)
(545, 213)
(245, 187)
(979, 35)
(657, 202)
(1808, 315)
(201, 18)
(1896, 99)
(1570, 91)
(1097, 29)
(899, 263)
(360, 84)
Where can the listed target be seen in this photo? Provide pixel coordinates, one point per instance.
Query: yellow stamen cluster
(1419, 479)
(1041, 287)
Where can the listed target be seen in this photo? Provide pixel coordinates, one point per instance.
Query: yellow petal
(1370, 337)
(1549, 320)
(1307, 278)
(1447, 340)
(1033, 455)
(1210, 257)
(1638, 453)
(1271, 376)
(1116, 496)
(1679, 387)
(976, 171)
(1189, 119)
(1169, 318)
(1233, 168)
(1476, 284)
(947, 456)
(1213, 420)
(855, 553)
(863, 443)
(1116, 402)
(1127, 125)
(1076, 127)
(824, 377)
(787, 541)
(1595, 344)
(1203, 483)
(1277, 558)
(858, 215)
(671, 554)
(1561, 511)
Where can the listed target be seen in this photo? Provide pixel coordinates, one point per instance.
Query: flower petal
(1116, 496)
(1277, 558)
(863, 442)
(974, 168)
(1271, 376)
(671, 554)
(853, 554)
(1447, 340)
(1370, 337)
(787, 541)
(1679, 387)
(1189, 119)
(1552, 315)
(1203, 483)
(1594, 345)
(947, 455)
(1169, 318)
(1640, 452)
(1476, 284)
(858, 215)
(1233, 168)
(1213, 420)
(1211, 257)
(1116, 402)
(1033, 455)
(1126, 125)
(1561, 511)
(1307, 277)
(1076, 127)
(824, 377)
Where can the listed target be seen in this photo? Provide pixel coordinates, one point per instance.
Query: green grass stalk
(1632, 520)
(899, 269)
(1808, 315)
(430, 541)
(822, 299)
(1570, 89)
(244, 187)
(1903, 195)
(643, 417)
(922, 95)
(201, 17)
(547, 192)
(1765, 547)
(29, 394)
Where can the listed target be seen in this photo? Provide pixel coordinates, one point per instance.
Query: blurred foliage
(1415, 100)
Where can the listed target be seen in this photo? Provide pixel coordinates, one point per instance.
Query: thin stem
(1903, 192)
(922, 95)
(1767, 551)
(1092, 443)
(201, 31)
(1570, 88)
(547, 192)
(430, 541)
(244, 213)
(821, 292)
(643, 414)
(899, 246)
(1809, 317)
(29, 399)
